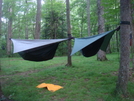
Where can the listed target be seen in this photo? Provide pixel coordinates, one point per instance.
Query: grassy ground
(87, 80)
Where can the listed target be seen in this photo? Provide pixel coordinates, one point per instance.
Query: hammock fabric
(36, 50)
(89, 46)
(42, 53)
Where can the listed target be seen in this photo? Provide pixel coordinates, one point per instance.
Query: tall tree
(0, 24)
(9, 34)
(38, 20)
(0, 42)
(0, 15)
(26, 21)
(124, 47)
(69, 62)
(101, 28)
(88, 16)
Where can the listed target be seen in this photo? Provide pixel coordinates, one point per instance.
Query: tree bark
(9, 34)
(69, 62)
(123, 74)
(132, 33)
(38, 20)
(101, 55)
(0, 16)
(26, 21)
(88, 16)
(0, 42)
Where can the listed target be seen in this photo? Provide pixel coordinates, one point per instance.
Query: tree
(123, 74)
(0, 25)
(9, 34)
(101, 28)
(38, 20)
(132, 33)
(26, 21)
(69, 62)
(88, 16)
(0, 16)
(0, 42)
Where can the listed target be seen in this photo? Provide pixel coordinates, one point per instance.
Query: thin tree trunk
(26, 32)
(101, 56)
(0, 16)
(109, 46)
(88, 16)
(26, 21)
(0, 42)
(81, 26)
(125, 48)
(117, 41)
(9, 34)
(38, 20)
(69, 62)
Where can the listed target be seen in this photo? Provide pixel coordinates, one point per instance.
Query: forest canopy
(18, 20)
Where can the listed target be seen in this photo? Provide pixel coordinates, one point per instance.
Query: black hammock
(36, 50)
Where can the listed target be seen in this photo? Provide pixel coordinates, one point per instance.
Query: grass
(87, 80)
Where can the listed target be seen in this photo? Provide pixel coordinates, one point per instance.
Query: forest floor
(86, 80)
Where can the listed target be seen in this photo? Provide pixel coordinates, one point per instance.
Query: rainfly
(89, 46)
(37, 49)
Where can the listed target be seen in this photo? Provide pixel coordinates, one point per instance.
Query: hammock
(89, 46)
(37, 49)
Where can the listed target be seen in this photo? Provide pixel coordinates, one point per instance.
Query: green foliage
(62, 49)
(54, 25)
(112, 11)
(88, 79)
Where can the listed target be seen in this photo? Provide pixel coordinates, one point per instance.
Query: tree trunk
(88, 16)
(101, 55)
(123, 75)
(81, 26)
(132, 47)
(117, 41)
(132, 33)
(38, 20)
(9, 34)
(26, 32)
(0, 42)
(26, 21)
(0, 16)
(69, 62)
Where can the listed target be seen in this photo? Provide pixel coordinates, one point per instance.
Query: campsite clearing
(88, 79)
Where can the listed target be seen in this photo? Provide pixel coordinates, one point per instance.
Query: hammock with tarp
(89, 46)
(37, 49)
(44, 49)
